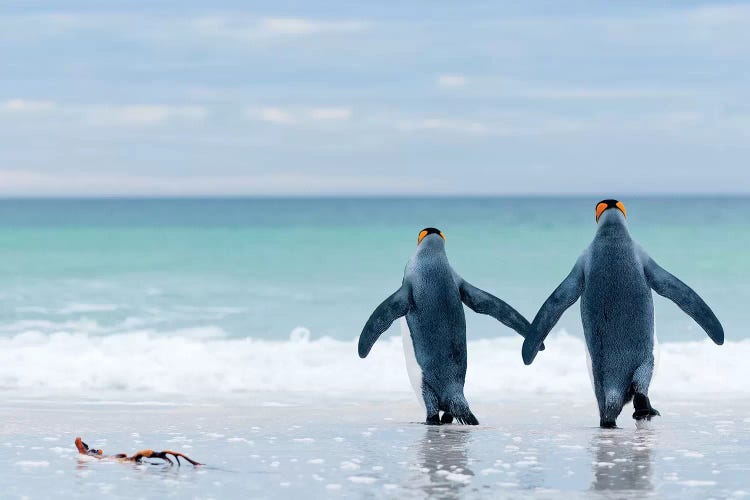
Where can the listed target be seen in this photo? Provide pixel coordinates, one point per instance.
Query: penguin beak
(601, 207)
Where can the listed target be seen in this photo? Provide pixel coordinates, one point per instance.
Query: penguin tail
(459, 408)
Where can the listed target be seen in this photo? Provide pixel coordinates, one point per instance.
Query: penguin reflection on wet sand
(614, 277)
(435, 347)
(623, 462)
(442, 468)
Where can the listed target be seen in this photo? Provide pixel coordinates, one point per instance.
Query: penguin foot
(643, 408)
(646, 414)
(608, 424)
(469, 419)
(433, 420)
(447, 418)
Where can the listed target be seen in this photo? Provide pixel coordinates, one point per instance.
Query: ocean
(259, 294)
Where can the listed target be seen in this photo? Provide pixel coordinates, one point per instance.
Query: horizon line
(374, 196)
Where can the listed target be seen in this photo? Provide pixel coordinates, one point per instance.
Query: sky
(154, 98)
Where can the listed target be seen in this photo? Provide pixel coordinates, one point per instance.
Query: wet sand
(291, 448)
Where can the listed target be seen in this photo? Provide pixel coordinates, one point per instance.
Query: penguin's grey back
(616, 306)
(436, 320)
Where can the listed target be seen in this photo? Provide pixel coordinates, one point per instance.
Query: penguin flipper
(385, 314)
(485, 303)
(564, 296)
(669, 286)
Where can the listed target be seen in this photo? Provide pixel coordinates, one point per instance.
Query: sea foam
(148, 362)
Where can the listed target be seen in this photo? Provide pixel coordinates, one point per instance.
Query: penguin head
(426, 234)
(605, 205)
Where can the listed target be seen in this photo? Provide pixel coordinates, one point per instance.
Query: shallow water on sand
(291, 448)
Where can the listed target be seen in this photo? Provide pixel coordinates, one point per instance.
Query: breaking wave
(204, 362)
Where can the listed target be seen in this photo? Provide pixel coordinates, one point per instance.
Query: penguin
(614, 277)
(430, 298)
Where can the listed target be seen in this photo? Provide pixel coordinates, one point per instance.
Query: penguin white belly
(412, 367)
(590, 367)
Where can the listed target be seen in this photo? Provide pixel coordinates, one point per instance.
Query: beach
(289, 447)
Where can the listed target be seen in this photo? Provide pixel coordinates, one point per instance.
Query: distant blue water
(261, 267)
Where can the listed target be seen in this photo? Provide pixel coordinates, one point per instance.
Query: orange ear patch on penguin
(429, 230)
(622, 208)
(600, 208)
(606, 204)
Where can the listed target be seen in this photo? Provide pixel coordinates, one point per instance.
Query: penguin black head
(429, 230)
(607, 204)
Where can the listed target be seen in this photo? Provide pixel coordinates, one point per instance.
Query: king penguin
(430, 297)
(614, 277)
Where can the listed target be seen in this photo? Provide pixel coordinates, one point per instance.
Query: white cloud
(273, 27)
(451, 81)
(506, 125)
(330, 113)
(492, 86)
(25, 105)
(298, 26)
(106, 114)
(720, 15)
(145, 114)
(172, 27)
(689, 125)
(302, 116)
(272, 115)
(35, 183)
(443, 124)
(140, 114)
(594, 94)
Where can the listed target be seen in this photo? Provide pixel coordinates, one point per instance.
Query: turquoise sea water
(262, 267)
